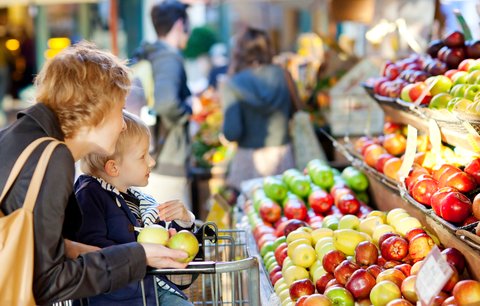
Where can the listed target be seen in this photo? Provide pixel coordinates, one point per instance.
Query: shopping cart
(223, 273)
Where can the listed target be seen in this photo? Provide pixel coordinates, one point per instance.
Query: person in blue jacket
(113, 210)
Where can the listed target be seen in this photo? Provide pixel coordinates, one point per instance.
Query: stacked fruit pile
(446, 78)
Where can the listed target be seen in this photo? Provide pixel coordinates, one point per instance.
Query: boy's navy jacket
(108, 221)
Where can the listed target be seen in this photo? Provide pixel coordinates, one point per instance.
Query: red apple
(344, 270)
(455, 258)
(394, 248)
(476, 206)
(439, 299)
(281, 253)
(332, 259)
(294, 208)
(348, 204)
(385, 237)
(404, 268)
(390, 127)
(270, 211)
(423, 189)
(454, 39)
(408, 288)
(467, 292)
(446, 169)
(450, 301)
(382, 159)
(320, 201)
(473, 168)
(436, 198)
(276, 276)
(293, 225)
(274, 270)
(391, 264)
(372, 153)
(413, 174)
(322, 281)
(455, 207)
(366, 253)
(333, 283)
(420, 246)
(413, 232)
(360, 283)
(461, 181)
(374, 270)
(300, 288)
(452, 281)
(301, 300)
(399, 302)
(470, 220)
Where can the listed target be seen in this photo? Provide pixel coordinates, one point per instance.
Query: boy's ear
(111, 168)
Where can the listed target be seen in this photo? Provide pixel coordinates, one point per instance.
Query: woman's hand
(74, 249)
(159, 256)
(173, 210)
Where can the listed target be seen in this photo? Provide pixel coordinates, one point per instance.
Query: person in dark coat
(257, 108)
(80, 95)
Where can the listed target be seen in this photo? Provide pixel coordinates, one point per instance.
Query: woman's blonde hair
(81, 84)
(136, 129)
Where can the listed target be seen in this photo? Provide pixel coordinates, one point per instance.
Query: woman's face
(105, 135)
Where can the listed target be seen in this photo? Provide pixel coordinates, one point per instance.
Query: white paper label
(409, 156)
(435, 140)
(432, 276)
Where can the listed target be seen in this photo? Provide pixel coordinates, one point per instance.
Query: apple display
(185, 241)
(154, 234)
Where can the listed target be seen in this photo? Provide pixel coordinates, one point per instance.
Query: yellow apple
(294, 273)
(349, 221)
(307, 229)
(378, 213)
(279, 284)
(297, 234)
(292, 245)
(154, 234)
(380, 230)
(394, 212)
(185, 241)
(406, 224)
(287, 262)
(322, 241)
(396, 218)
(324, 249)
(303, 255)
(315, 265)
(317, 273)
(369, 224)
(281, 287)
(284, 294)
(320, 233)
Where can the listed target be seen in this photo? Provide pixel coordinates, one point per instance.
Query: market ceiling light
(12, 44)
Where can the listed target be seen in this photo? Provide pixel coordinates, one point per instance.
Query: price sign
(432, 276)
(409, 155)
(436, 141)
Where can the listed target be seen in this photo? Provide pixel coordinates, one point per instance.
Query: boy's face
(135, 165)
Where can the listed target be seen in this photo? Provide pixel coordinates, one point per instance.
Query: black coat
(57, 278)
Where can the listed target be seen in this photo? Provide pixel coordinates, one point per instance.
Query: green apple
(185, 241)
(458, 90)
(267, 247)
(330, 222)
(473, 77)
(471, 91)
(442, 84)
(300, 186)
(355, 178)
(340, 296)
(279, 241)
(440, 101)
(474, 66)
(322, 175)
(451, 103)
(154, 234)
(349, 221)
(459, 77)
(290, 174)
(274, 188)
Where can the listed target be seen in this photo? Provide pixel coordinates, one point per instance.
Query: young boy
(112, 209)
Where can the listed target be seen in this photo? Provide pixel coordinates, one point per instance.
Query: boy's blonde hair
(136, 129)
(81, 84)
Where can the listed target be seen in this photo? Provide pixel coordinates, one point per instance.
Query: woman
(257, 108)
(80, 95)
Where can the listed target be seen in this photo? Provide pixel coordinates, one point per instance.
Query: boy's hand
(74, 249)
(173, 210)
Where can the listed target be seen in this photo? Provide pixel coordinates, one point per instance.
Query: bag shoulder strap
(19, 163)
(292, 89)
(38, 175)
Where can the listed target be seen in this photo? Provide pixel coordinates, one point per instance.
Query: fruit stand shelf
(456, 136)
(387, 197)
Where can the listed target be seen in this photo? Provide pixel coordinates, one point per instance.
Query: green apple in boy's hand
(184, 241)
(153, 234)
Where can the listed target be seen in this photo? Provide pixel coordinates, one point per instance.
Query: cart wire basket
(223, 273)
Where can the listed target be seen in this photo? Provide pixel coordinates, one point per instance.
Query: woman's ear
(111, 168)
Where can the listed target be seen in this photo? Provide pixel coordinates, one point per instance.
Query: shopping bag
(16, 232)
(304, 140)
